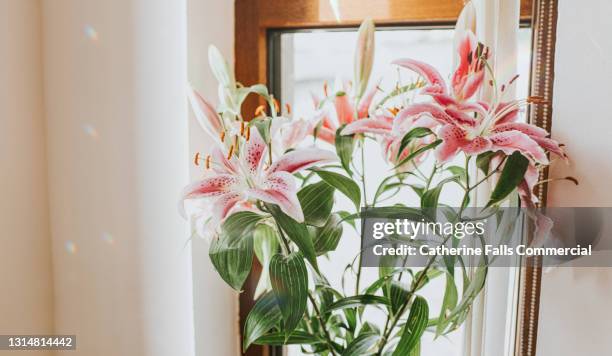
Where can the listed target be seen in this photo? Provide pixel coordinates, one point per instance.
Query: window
(302, 60)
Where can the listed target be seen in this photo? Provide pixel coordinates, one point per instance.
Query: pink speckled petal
(301, 159)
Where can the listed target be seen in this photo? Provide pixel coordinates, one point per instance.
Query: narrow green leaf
(483, 161)
(264, 316)
(345, 145)
(410, 136)
(398, 294)
(317, 201)
(512, 174)
(359, 301)
(448, 304)
(289, 278)
(361, 345)
(298, 233)
(417, 152)
(345, 185)
(279, 338)
(414, 328)
(459, 172)
(327, 237)
(266, 245)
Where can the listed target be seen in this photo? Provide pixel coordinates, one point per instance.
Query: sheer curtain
(95, 152)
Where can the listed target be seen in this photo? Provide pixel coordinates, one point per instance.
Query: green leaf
(279, 338)
(448, 304)
(414, 328)
(327, 237)
(263, 317)
(470, 293)
(297, 232)
(459, 172)
(238, 226)
(358, 301)
(512, 174)
(317, 201)
(266, 245)
(232, 253)
(483, 161)
(345, 185)
(361, 345)
(263, 125)
(345, 145)
(417, 132)
(415, 153)
(289, 278)
(399, 294)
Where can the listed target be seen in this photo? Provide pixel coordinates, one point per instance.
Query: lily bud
(364, 57)
(465, 22)
(220, 68)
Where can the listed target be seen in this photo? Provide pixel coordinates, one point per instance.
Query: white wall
(216, 304)
(26, 305)
(115, 74)
(576, 303)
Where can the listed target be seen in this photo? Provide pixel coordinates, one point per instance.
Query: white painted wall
(576, 303)
(26, 302)
(216, 304)
(115, 74)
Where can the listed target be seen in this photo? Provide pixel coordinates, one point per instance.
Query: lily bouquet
(270, 184)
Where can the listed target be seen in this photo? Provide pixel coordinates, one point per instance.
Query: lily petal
(525, 128)
(279, 188)
(301, 159)
(431, 75)
(511, 141)
(376, 126)
(551, 146)
(213, 186)
(205, 113)
(224, 204)
(344, 110)
(453, 138)
(424, 108)
(364, 104)
(220, 163)
(254, 152)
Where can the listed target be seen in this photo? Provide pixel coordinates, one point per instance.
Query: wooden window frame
(256, 19)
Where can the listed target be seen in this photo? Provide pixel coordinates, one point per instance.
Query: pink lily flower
(246, 178)
(345, 113)
(476, 127)
(465, 81)
(391, 131)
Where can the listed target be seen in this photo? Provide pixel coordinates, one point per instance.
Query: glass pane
(308, 59)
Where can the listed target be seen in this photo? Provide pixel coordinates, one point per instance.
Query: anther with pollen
(288, 108)
(231, 152)
(208, 161)
(196, 159)
(222, 136)
(248, 133)
(276, 105)
(242, 128)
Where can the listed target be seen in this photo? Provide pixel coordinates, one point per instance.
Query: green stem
(411, 293)
(365, 202)
(328, 338)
